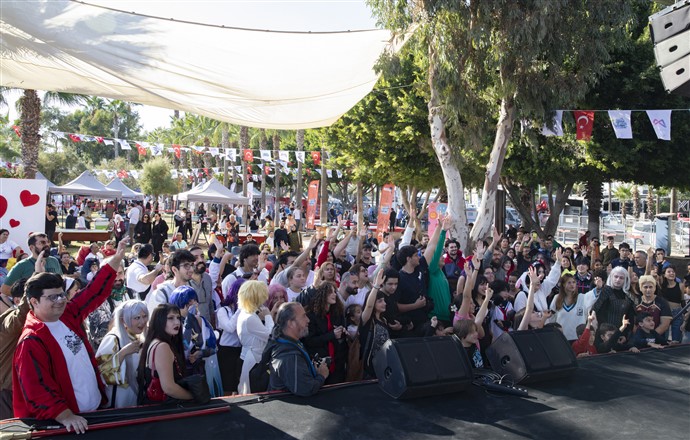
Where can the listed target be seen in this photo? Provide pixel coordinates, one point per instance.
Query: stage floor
(619, 396)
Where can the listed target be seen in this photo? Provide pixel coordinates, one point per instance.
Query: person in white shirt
(296, 282)
(569, 307)
(134, 214)
(81, 220)
(251, 262)
(139, 277)
(254, 326)
(543, 290)
(179, 243)
(6, 247)
(182, 266)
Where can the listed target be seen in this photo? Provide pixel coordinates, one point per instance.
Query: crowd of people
(112, 328)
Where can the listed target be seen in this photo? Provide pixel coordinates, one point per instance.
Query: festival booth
(127, 193)
(85, 185)
(212, 191)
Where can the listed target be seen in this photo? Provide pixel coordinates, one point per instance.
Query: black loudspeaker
(417, 367)
(670, 33)
(532, 355)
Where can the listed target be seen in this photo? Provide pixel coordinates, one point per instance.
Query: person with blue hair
(199, 339)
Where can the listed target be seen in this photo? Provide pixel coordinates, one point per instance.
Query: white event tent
(127, 192)
(212, 191)
(258, 78)
(87, 185)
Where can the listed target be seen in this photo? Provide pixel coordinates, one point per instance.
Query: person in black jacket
(143, 230)
(159, 233)
(327, 330)
(280, 236)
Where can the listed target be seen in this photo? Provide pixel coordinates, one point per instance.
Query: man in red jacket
(55, 374)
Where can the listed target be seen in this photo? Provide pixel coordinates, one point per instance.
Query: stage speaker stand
(532, 355)
(416, 367)
(670, 32)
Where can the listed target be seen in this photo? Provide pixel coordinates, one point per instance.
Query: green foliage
(62, 166)
(156, 179)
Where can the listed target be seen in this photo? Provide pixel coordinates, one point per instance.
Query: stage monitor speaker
(670, 21)
(416, 367)
(532, 355)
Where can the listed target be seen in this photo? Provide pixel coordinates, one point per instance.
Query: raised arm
(409, 230)
(534, 280)
(362, 236)
(434, 239)
(343, 243)
(305, 254)
(471, 274)
(371, 299)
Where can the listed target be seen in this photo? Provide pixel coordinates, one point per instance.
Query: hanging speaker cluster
(670, 31)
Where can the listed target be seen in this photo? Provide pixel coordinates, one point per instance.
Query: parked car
(513, 217)
(644, 233)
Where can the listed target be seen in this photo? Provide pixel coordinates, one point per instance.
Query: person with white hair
(615, 300)
(118, 354)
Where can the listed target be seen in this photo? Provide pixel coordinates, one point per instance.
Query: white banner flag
(232, 154)
(134, 173)
(266, 155)
(661, 121)
(620, 120)
(284, 156)
(156, 149)
(557, 129)
(214, 151)
(124, 144)
(300, 156)
(108, 141)
(340, 174)
(173, 173)
(198, 149)
(60, 134)
(329, 174)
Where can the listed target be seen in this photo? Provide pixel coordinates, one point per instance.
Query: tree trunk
(244, 144)
(208, 164)
(263, 145)
(31, 139)
(234, 145)
(650, 203)
(610, 199)
(360, 205)
(449, 167)
(300, 147)
(323, 206)
(504, 130)
(594, 194)
(225, 144)
(556, 205)
(276, 148)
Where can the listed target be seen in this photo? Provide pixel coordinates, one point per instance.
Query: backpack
(260, 374)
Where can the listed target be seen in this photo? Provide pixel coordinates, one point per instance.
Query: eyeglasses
(186, 266)
(56, 297)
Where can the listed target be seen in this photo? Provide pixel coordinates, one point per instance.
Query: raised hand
(313, 242)
(479, 249)
(40, 265)
(559, 254)
(378, 282)
(533, 276)
(122, 247)
(447, 222)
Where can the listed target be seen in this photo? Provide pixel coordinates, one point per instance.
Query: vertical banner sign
(385, 205)
(312, 199)
(22, 208)
(436, 211)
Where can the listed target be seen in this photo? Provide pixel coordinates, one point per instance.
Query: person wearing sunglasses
(55, 374)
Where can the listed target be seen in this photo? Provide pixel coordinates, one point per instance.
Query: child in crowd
(93, 270)
(645, 336)
(584, 346)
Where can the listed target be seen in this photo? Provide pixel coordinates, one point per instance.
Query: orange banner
(385, 205)
(312, 200)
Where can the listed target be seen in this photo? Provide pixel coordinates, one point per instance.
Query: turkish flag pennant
(122, 174)
(316, 157)
(584, 121)
(249, 169)
(16, 130)
(99, 139)
(74, 137)
(267, 170)
(206, 171)
(176, 148)
(248, 155)
(141, 149)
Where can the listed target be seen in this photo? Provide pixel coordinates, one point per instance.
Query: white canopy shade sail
(213, 191)
(87, 185)
(282, 80)
(127, 192)
(51, 185)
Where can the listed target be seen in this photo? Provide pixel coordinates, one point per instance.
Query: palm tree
(594, 194)
(623, 193)
(635, 201)
(650, 203)
(263, 145)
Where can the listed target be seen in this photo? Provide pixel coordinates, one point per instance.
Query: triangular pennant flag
(87, 138)
(156, 149)
(329, 174)
(316, 157)
(255, 178)
(134, 173)
(214, 151)
(620, 121)
(122, 174)
(340, 174)
(557, 129)
(266, 155)
(140, 149)
(108, 142)
(17, 131)
(59, 134)
(124, 144)
(173, 173)
(74, 137)
(248, 155)
(198, 149)
(661, 121)
(216, 169)
(319, 171)
(232, 154)
(176, 149)
(206, 172)
(238, 168)
(284, 156)
(99, 139)
(300, 156)
(195, 171)
(584, 121)
(185, 149)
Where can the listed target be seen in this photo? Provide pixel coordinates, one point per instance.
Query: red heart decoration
(3, 206)
(14, 223)
(28, 199)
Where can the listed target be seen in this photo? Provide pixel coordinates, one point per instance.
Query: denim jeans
(676, 332)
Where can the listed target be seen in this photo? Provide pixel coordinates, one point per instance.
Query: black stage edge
(618, 396)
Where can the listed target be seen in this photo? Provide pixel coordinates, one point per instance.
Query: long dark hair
(159, 319)
(319, 304)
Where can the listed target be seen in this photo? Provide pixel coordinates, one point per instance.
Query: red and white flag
(74, 137)
(584, 121)
(176, 149)
(316, 157)
(248, 155)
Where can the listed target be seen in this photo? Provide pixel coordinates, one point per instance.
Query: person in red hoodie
(584, 346)
(55, 374)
